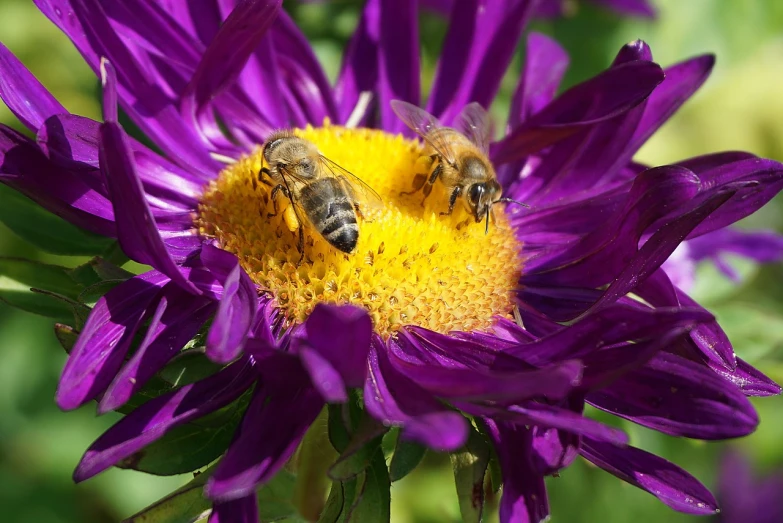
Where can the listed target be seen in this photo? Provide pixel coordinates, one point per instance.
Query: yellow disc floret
(412, 266)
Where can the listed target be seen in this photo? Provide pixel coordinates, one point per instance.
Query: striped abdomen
(331, 211)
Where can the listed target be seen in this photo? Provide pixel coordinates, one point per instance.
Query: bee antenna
(486, 229)
(509, 200)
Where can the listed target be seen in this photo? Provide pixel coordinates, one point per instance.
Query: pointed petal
(274, 424)
(611, 93)
(545, 64)
(177, 319)
(524, 493)
(86, 24)
(24, 95)
(664, 480)
(679, 397)
(136, 229)
(56, 189)
(750, 380)
(227, 54)
(237, 309)
(392, 399)
(105, 339)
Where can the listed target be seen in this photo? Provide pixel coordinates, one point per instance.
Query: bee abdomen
(333, 215)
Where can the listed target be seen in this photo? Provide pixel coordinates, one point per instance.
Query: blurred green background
(739, 108)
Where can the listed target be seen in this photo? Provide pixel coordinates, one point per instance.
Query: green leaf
(187, 367)
(45, 230)
(275, 498)
(66, 335)
(191, 446)
(184, 505)
(407, 455)
(343, 419)
(40, 275)
(470, 465)
(366, 497)
(365, 444)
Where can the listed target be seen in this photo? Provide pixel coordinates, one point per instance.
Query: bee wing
(423, 123)
(356, 186)
(475, 124)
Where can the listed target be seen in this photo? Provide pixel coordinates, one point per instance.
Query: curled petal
(524, 493)
(156, 417)
(274, 424)
(666, 481)
(105, 339)
(177, 319)
(676, 396)
(394, 400)
(237, 309)
(342, 336)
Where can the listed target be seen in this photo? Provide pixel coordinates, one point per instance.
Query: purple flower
(746, 498)
(431, 318)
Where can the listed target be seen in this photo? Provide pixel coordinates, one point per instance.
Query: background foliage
(739, 108)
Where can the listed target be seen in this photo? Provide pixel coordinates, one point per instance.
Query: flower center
(411, 264)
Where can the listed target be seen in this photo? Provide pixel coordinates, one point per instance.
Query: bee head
(481, 196)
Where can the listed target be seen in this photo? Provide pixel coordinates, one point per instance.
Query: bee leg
(452, 200)
(300, 246)
(418, 182)
(262, 171)
(276, 190)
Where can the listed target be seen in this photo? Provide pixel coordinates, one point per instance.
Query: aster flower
(421, 318)
(745, 497)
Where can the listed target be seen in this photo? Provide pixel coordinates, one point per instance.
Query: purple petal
(659, 247)
(760, 246)
(664, 480)
(241, 510)
(86, 24)
(477, 29)
(682, 80)
(342, 336)
(756, 181)
(749, 379)
(679, 397)
(635, 50)
(545, 64)
(177, 319)
(59, 190)
(237, 309)
(274, 424)
(136, 229)
(475, 384)
(325, 378)
(611, 93)
(156, 417)
(398, 59)
(392, 399)
(229, 51)
(744, 497)
(524, 493)
(359, 70)
(24, 95)
(105, 339)
(551, 416)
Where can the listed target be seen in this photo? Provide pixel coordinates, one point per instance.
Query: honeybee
(320, 191)
(460, 156)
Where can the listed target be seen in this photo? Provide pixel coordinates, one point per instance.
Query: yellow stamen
(411, 266)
